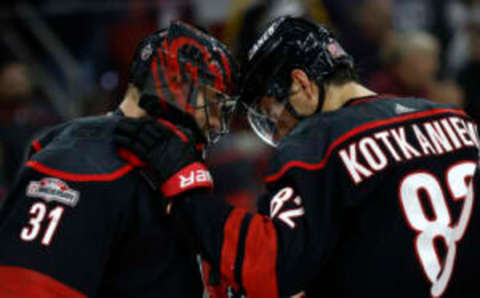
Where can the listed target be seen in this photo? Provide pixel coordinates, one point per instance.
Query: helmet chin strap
(295, 114)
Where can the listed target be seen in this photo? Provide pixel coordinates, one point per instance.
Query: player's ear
(301, 80)
(302, 90)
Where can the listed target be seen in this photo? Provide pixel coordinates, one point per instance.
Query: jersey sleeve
(57, 233)
(269, 255)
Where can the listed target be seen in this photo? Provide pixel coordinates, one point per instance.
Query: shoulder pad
(306, 147)
(80, 150)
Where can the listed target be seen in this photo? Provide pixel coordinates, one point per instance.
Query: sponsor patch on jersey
(53, 189)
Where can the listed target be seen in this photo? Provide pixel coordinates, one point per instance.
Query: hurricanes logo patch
(53, 189)
(336, 50)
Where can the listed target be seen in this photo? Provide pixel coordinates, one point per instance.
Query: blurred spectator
(414, 15)
(436, 17)
(470, 72)
(22, 113)
(411, 64)
(371, 27)
(447, 92)
(461, 13)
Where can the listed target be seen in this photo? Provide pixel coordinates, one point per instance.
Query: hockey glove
(170, 151)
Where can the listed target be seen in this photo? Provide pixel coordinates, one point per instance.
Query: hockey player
(367, 194)
(81, 222)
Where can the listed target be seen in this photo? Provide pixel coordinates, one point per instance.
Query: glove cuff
(193, 176)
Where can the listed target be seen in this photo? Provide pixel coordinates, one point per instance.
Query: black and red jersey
(81, 222)
(370, 200)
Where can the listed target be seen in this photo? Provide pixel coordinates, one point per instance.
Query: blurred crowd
(64, 59)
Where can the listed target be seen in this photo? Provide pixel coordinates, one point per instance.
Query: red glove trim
(195, 175)
(174, 129)
(131, 158)
(21, 282)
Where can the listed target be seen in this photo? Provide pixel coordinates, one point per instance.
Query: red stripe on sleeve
(259, 275)
(18, 282)
(231, 233)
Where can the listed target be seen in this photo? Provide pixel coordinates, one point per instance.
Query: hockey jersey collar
(362, 99)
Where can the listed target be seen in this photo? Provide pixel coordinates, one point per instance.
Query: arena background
(62, 59)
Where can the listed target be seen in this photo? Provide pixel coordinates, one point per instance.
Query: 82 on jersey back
(411, 209)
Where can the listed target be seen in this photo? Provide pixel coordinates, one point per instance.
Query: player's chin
(282, 132)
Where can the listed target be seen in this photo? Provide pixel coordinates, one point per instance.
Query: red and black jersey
(370, 200)
(81, 222)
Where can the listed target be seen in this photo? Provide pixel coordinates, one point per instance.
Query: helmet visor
(270, 119)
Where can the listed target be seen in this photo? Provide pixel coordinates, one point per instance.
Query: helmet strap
(292, 111)
(321, 100)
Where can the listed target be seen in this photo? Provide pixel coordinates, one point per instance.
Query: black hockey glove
(170, 151)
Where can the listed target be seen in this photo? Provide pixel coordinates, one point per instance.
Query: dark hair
(342, 74)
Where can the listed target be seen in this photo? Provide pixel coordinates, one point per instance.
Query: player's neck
(129, 105)
(337, 95)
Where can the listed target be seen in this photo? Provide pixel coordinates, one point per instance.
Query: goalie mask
(182, 70)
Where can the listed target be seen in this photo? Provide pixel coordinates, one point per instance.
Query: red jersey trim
(21, 282)
(39, 167)
(259, 270)
(359, 100)
(231, 234)
(374, 124)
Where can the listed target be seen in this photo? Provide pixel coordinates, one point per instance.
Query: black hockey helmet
(171, 66)
(286, 44)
